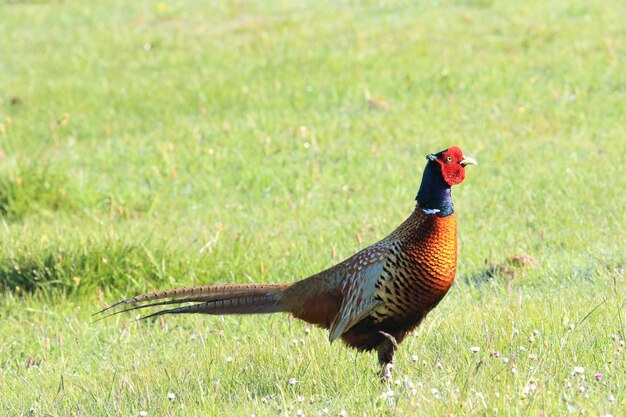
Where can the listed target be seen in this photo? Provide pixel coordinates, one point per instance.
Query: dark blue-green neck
(435, 193)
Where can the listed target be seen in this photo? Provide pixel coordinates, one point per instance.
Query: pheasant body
(373, 299)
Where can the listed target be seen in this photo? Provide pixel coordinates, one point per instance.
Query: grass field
(148, 144)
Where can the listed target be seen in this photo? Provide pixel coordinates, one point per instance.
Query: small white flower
(388, 394)
(307, 330)
(414, 358)
(581, 388)
(299, 399)
(229, 359)
(171, 396)
(611, 398)
(475, 349)
(505, 360)
(579, 370)
(536, 332)
(143, 413)
(292, 381)
(514, 370)
(434, 391)
(529, 388)
(343, 413)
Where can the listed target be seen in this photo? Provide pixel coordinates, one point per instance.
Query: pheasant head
(443, 170)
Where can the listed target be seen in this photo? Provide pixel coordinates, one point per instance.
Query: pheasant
(371, 300)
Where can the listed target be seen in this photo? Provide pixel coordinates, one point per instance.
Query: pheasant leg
(386, 353)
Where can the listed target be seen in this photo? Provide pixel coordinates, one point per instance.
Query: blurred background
(245, 133)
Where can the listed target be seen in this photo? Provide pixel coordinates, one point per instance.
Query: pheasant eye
(448, 159)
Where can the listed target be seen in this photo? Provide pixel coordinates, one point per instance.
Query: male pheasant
(371, 300)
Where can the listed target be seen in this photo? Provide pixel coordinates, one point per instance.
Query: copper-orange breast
(420, 267)
(432, 251)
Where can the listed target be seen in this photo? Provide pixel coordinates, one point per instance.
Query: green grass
(147, 145)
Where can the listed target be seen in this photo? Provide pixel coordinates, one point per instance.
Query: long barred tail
(208, 299)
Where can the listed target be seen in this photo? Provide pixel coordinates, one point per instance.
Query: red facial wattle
(451, 169)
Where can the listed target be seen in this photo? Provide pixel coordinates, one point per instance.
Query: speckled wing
(364, 270)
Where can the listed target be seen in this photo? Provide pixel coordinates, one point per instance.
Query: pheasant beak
(468, 161)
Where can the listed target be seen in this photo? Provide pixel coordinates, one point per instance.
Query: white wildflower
(388, 394)
(530, 388)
